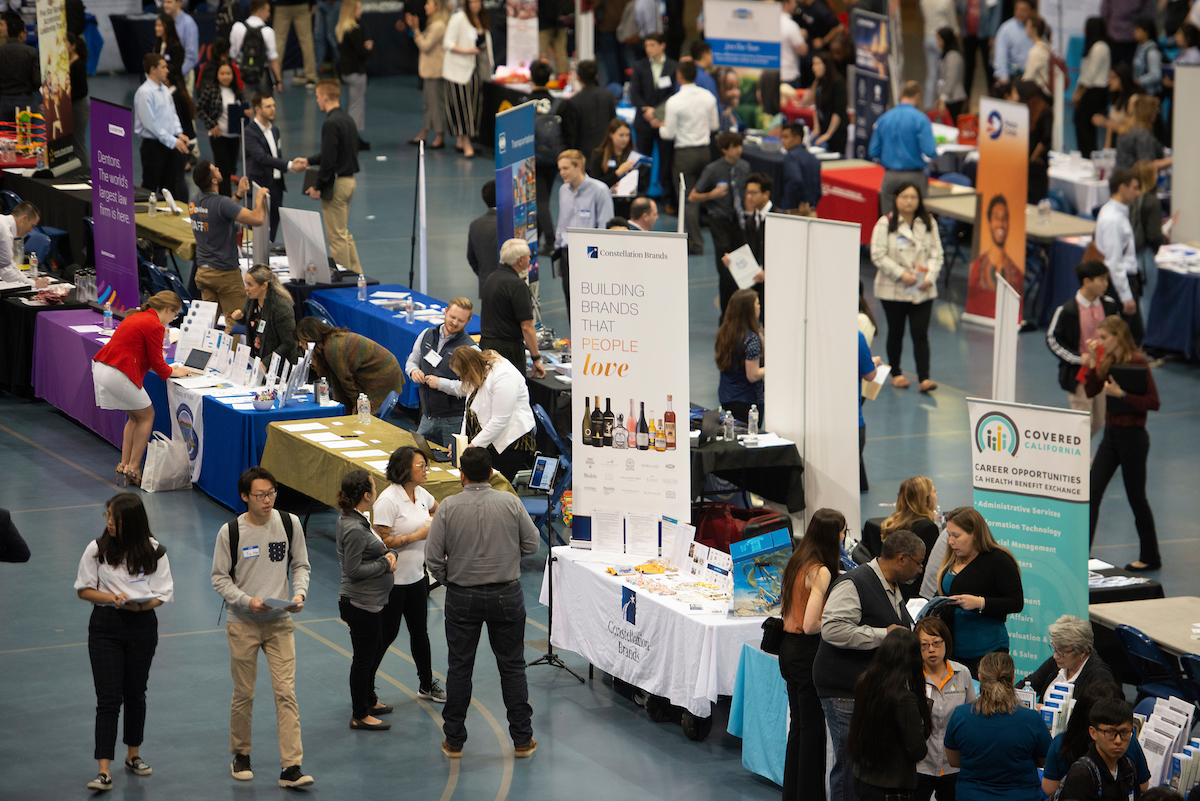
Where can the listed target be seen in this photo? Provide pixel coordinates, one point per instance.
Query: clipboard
(310, 180)
(1133, 379)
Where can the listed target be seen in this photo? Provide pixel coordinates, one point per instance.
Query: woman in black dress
(830, 91)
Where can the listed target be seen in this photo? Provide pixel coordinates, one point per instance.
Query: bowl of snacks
(53, 294)
(264, 400)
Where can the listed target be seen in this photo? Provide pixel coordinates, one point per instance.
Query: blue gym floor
(592, 741)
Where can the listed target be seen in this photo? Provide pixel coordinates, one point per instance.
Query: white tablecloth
(1079, 186)
(689, 659)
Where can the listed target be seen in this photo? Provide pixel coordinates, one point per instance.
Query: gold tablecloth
(317, 471)
(169, 231)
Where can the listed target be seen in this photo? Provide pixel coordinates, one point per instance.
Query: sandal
(121, 476)
(133, 476)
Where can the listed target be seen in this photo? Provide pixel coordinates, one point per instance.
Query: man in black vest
(863, 606)
(429, 367)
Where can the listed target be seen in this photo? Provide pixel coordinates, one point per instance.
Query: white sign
(743, 34)
(1004, 342)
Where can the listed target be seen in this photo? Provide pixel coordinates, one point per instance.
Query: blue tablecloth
(386, 327)
(1060, 284)
(758, 713)
(1174, 320)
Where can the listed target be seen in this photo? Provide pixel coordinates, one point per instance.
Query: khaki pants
(301, 17)
(336, 213)
(1080, 402)
(224, 287)
(553, 44)
(276, 640)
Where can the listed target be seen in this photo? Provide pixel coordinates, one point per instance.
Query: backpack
(547, 134)
(288, 526)
(627, 27)
(254, 58)
(229, 13)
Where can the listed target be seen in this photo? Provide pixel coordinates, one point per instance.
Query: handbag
(167, 465)
(772, 635)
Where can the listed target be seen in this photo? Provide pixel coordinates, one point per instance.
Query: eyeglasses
(1113, 735)
(420, 466)
(264, 496)
(931, 646)
(1062, 651)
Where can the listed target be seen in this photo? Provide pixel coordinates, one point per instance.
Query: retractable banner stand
(521, 28)
(811, 396)
(629, 350)
(1030, 468)
(1185, 170)
(1000, 217)
(56, 82)
(743, 34)
(112, 205)
(516, 180)
(1004, 342)
(872, 75)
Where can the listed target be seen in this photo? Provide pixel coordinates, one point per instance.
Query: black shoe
(355, 723)
(102, 782)
(1133, 567)
(386, 709)
(293, 776)
(363, 145)
(240, 769)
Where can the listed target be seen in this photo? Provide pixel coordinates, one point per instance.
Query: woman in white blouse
(937, 14)
(498, 416)
(401, 517)
(125, 575)
(467, 63)
(1091, 90)
(1037, 63)
(907, 252)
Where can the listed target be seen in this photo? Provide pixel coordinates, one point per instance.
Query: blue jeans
(440, 429)
(838, 712)
(502, 607)
(323, 34)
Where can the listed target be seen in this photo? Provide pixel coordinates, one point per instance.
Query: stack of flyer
(1164, 740)
(1056, 710)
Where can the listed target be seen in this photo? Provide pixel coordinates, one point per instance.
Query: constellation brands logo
(593, 252)
(996, 432)
(995, 125)
(629, 605)
(502, 143)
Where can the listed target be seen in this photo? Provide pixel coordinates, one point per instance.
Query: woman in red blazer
(120, 367)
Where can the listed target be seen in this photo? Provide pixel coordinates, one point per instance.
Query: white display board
(1185, 170)
(1004, 342)
(304, 237)
(743, 34)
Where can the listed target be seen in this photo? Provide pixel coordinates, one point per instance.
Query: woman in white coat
(498, 416)
(467, 63)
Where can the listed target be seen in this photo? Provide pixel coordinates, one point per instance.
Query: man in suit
(586, 114)
(643, 214)
(801, 172)
(264, 163)
(653, 81)
(758, 205)
(483, 248)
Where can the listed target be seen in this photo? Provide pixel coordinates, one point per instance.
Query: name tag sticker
(664, 82)
(612, 164)
(929, 692)
(262, 326)
(585, 214)
(250, 551)
(433, 357)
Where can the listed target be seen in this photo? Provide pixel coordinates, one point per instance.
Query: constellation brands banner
(872, 72)
(743, 34)
(516, 180)
(56, 80)
(628, 328)
(112, 205)
(1000, 218)
(1030, 468)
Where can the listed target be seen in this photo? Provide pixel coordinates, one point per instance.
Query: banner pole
(423, 220)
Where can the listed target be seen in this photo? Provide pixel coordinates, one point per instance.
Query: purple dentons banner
(112, 205)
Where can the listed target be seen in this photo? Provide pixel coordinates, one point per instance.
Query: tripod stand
(550, 658)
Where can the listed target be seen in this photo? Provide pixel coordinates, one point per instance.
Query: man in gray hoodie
(250, 571)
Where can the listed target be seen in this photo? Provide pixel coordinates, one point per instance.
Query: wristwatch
(536, 358)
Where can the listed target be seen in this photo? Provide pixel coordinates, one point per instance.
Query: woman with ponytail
(269, 316)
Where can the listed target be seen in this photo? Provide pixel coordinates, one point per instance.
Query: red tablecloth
(852, 195)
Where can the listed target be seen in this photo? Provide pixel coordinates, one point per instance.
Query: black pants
(971, 44)
(727, 236)
(409, 602)
(366, 639)
(121, 646)
(162, 167)
(276, 202)
(1122, 52)
(1093, 101)
(804, 764)
(862, 467)
(226, 150)
(564, 269)
(545, 174)
(943, 785)
(1127, 447)
(954, 109)
(870, 792)
(511, 349)
(917, 316)
(511, 461)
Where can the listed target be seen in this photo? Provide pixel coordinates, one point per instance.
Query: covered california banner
(630, 386)
(1030, 467)
(56, 81)
(743, 34)
(1000, 218)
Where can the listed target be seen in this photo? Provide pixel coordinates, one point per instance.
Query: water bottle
(41, 157)
(310, 275)
(33, 265)
(728, 422)
(939, 517)
(362, 288)
(1043, 208)
(625, 95)
(166, 342)
(408, 310)
(720, 423)
(364, 410)
(323, 391)
(108, 318)
(153, 210)
(752, 428)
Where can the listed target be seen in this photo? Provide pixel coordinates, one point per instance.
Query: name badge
(929, 692)
(250, 551)
(585, 214)
(262, 326)
(901, 240)
(612, 164)
(664, 82)
(433, 357)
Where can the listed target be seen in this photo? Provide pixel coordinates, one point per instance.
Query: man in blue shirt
(901, 141)
(866, 372)
(702, 55)
(164, 145)
(189, 35)
(801, 172)
(1012, 44)
(583, 202)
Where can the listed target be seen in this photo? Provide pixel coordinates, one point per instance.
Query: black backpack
(547, 133)
(254, 58)
(234, 536)
(229, 13)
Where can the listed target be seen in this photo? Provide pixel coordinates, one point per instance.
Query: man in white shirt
(792, 46)
(691, 117)
(1114, 239)
(13, 229)
(257, 77)
(164, 146)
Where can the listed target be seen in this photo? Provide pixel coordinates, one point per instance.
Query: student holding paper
(611, 162)
(1112, 360)
(269, 316)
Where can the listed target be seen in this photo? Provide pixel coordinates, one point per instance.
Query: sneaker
(138, 765)
(310, 84)
(523, 751)
(293, 776)
(434, 693)
(298, 80)
(102, 782)
(241, 768)
(450, 751)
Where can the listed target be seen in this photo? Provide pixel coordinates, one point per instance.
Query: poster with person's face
(56, 80)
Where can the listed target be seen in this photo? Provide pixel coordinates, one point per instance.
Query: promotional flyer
(1030, 467)
(1000, 218)
(521, 23)
(56, 81)
(516, 180)
(112, 205)
(631, 461)
(872, 73)
(743, 34)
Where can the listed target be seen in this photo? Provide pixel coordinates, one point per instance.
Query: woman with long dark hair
(213, 100)
(1121, 91)
(739, 355)
(1091, 90)
(168, 44)
(830, 98)
(367, 565)
(806, 579)
(891, 721)
(609, 163)
(125, 575)
(907, 252)
(1037, 63)
(1066, 748)
(950, 92)
(1126, 443)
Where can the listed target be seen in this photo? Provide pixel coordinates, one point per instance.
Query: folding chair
(314, 309)
(1156, 675)
(389, 403)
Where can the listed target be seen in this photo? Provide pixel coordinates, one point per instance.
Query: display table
(1134, 592)
(171, 232)
(17, 317)
(852, 195)
(59, 208)
(689, 659)
(776, 474)
(1167, 621)
(962, 209)
(1079, 184)
(1173, 318)
(316, 471)
(384, 326)
(758, 713)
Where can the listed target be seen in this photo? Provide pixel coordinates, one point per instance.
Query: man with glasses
(250, 571)
(1105, 772)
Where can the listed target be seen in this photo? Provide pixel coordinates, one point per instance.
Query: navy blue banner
(872, 44)
(516, 180)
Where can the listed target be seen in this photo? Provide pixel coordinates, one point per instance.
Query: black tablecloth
(1134, 592)
(494, 95)
(1106, 643)
(774, 473)
(769, 163)
(59, 209)
(555, 397)
(16, 333)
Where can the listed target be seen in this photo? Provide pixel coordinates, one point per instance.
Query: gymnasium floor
(593, 742)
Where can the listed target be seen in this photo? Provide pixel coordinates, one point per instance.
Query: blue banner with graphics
(516, 180)
(872, 75)
(1030, 472)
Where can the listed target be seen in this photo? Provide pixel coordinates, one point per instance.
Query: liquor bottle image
(669, 424)
(660, 438)
(643, 430)
(597, 425)
(631, 425)
(620, 434)
(586, 428)
(608, 423)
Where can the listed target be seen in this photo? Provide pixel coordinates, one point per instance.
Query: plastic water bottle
(720, 422)
(108, 317)
(728, 423)
(153, 210)
(310, 275)
(752, 428)
(41, 157)
(166, 342)
(323, 391)
(939, 517)
(362, 287)
(364, 410)
(408, 310)
(1043, 208)
(33, 265)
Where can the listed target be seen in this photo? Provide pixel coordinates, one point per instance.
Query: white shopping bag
(167, 465)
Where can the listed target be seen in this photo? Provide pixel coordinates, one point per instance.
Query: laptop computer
(431, 455)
